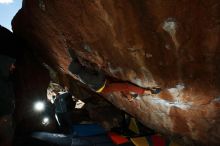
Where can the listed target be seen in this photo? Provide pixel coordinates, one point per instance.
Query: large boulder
(172, 44)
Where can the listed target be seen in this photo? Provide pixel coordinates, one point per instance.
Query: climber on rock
(96, 80)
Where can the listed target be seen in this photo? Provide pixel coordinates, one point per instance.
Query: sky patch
(6, 1)
(8, 9)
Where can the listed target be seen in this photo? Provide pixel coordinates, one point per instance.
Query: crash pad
(63, 139)
(117, 139)
(133, 126)
(88, 129)
(140, 141)
(158, 140)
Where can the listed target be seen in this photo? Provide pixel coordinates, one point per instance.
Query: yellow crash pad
(140, 141)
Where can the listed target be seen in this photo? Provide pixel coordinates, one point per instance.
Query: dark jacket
(91, 77)
(64, 103)
(6, 86)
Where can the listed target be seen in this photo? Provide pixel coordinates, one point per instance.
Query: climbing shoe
(155, 90)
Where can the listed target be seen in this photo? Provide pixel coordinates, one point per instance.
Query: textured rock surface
(173, 44)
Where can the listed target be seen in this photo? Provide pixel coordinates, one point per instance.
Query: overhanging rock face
(172, 44)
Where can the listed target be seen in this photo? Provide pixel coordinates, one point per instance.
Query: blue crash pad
(69, 140)
(88, 129)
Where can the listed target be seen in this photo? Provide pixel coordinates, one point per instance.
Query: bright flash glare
(45, 121)
(39, 106)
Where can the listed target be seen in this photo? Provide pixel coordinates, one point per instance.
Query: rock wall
(173, 44)
(30, 81)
